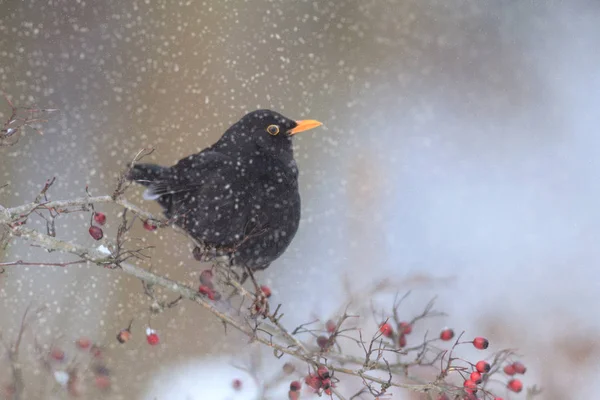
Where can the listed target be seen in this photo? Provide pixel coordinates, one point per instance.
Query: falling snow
(459, 143)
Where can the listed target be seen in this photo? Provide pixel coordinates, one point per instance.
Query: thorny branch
(269, 332)
(289, 344)
(99, 257)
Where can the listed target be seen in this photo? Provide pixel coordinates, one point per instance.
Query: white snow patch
(103, 249)
(61, 377)
(149, 195)
(207, 379)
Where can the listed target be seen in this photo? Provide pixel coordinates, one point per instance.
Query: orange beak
(304, 125)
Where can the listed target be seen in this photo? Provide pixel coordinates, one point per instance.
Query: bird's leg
(236, 277)
(249, 274)
(201, 254)
(244, 277)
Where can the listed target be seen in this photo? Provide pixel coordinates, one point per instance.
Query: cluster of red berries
(261, 303)
(207, 288)
(96, 231)
(515, 368)
(481, 367)
(512, 369)
(325, 342)
(124, 335)
(151, 336)
(321, 380)
(70, 380)
(404, 328)
(100, 219)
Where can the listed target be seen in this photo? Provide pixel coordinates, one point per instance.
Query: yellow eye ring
(273, 130)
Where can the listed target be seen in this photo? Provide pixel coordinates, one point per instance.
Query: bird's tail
(145, 174)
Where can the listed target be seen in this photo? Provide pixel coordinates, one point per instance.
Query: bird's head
(265, 130)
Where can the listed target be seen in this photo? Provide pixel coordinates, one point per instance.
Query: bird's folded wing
(191, 173)
(210, 196)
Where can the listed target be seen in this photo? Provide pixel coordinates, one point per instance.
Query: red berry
(102, 382)
(203, 289)
(402, 341)
(519, 367)
(237, 384)
(386, 330)
(323, 342)
(206, 291)
(510, 370)
(331, 326)
(149, 226)
(206, 278)
(313, 381)
(446, 334)
(515, 385)
(83, 343)
(96, 232)
(475, 377)
(124, 335)
(96, 351)
(482, 367)
(323, 372)
(288, 368)
(151, 337)
(481, 343)
(293, 395)
(266, 290)
(470, 386)
(295, 386)
(405, 327)
(57, 354)
(100, 218)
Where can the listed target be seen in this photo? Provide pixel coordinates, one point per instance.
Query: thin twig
(100, 257)
(41, 264)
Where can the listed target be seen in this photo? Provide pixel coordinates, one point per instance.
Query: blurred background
(459, 158)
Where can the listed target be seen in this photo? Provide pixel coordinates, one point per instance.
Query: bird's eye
(273, 130)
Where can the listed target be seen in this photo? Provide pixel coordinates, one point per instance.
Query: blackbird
(239, 195)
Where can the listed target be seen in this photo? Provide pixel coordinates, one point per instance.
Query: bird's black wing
(209, 196)
(188, 174)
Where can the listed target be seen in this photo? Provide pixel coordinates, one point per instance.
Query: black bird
(239, 195)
